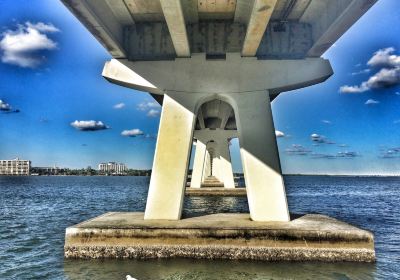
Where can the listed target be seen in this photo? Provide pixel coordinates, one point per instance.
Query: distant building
(15, 167)
(112, 168)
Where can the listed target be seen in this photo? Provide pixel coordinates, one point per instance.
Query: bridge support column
(207, 166)
(260, 158)
(225, 164)
(169, 173)
(198, 165)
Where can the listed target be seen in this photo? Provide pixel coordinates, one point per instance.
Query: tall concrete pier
(215, 66)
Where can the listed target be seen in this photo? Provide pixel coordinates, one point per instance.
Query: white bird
(128, 277)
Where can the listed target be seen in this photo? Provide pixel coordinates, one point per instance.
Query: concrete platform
(310, 237)
(215, 191)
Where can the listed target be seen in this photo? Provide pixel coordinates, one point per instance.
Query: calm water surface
(34, 212)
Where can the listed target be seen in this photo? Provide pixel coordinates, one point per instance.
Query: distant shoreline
(236, 175)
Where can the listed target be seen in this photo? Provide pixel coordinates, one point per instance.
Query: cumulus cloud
(353, 89)
(279, 133)
(132, 132)
(153, 113)
(320, 139)
(150, 106)
(387, 76)
(89, 125)
(144, 106)
(384, 58)
(23, 46)
(119, 106)
(371, 102)
(6, 108)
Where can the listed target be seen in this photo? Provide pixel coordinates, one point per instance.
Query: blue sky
(58, 81)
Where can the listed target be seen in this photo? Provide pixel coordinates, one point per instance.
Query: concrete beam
(173, 14)
(120, 11)
(98, 18)
(243, 11)
(116, 72)
(331, 19)
(260, 15)
(201, 119)
(224, 114)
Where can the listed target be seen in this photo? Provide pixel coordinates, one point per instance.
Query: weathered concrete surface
(215, 191)
(228, 236)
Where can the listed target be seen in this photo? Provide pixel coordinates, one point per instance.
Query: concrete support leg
(207, 166)
(198, 165)
(225, 164)
(260, 158)
(168, 179)
(216, 167)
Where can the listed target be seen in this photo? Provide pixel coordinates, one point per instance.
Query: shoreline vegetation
(147, 173)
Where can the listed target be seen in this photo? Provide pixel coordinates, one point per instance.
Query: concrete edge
(221, 252)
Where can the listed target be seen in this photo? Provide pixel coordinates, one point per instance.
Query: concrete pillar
(225, 164)
(207, 166)
(260, 158)
(171, 157)
(198, 165)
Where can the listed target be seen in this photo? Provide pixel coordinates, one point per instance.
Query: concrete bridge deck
(229, 236)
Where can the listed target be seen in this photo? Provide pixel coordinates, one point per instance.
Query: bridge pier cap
(235, 74)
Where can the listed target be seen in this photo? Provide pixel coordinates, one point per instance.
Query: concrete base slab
(310, 237)
(215, 191)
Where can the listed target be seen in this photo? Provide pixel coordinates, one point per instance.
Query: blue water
(34, 212)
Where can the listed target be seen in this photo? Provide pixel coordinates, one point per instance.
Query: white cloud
(22, 46)
(397, 93)
(364, 71)
(371, 102)
(326, 121)
(144, 106)
(353, 89)
(385, 58)
(4, 106)
(279, 133)
(89, 125)
(384, 78)
(320, 139)
(119, 106)
(132, 132)
(7, 108)
(387, 76)
(153, 113)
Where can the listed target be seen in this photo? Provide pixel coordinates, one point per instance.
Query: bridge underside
(188, 53)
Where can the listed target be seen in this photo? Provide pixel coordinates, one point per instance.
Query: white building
(15, 167)
(112, 168)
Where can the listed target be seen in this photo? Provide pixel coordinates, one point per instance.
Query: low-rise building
(112, 168)
(15, 167)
